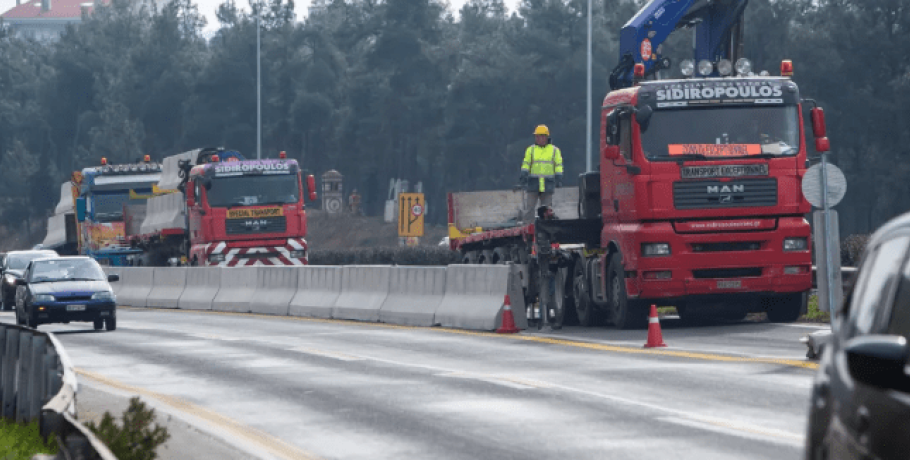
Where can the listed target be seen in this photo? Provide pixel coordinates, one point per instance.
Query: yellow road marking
(527, 338)
(259, 438)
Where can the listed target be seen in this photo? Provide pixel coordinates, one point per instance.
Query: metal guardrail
(37, 382)
(846, 274)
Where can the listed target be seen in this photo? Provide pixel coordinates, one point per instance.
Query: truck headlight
(43, 298)
(655, 249)
(298, 254)
(216, 258)
(103, 295)
(796, 244)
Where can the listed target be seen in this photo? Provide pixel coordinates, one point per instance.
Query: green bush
(135, 438)
(851, 249)
(814, 314)
(21, 442)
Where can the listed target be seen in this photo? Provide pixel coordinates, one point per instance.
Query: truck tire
(486, 257)
(625, 313)
(785, 308)
(469, 258)
(501, 256)
(585, 312)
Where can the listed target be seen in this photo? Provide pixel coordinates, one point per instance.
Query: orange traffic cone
(508, 321)
(655, 337)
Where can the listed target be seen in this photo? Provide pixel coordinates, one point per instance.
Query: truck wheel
(486, 257)
(785, 308)
(469, 258)
(501, 256)
(584, 308)
(626, 313)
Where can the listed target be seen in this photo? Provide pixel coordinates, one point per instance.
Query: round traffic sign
(333, 205)
(812, 185)
(416, 210)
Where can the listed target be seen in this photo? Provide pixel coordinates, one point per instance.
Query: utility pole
(259, 85)
(588, 127)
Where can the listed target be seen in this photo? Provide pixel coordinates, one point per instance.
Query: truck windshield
(108, 207)
(253, 190)
(718, 133)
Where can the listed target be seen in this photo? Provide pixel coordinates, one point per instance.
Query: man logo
(726, 189)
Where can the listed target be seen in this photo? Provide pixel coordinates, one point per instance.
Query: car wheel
(785, 308)
(19, 319)
(110, 323)
(627, 314)
(32, 321)
(99, 323)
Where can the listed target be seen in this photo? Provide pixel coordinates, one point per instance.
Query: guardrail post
(8, 379)
(2, 362)
(36, 379)
(22, 386)
(50, 368)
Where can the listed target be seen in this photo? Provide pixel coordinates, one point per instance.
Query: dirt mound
(345, 231)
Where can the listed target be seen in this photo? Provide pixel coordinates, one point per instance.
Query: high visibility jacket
(543, 164)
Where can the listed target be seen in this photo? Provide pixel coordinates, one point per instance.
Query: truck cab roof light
(687, 67)
(103, 161)
(215, 159)
(705, 67)
(743, 66)
(786, 68)
(725, 67)
(282, 155)
(147, 158)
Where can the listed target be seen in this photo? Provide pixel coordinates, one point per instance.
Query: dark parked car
(64, 289)
(860, 405)
(11, 269)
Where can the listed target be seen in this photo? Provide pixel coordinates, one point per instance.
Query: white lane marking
(327, 354)
(510, 382)
(807, 326)
(739, 430)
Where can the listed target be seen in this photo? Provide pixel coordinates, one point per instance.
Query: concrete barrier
(116, 285)
(474, 297)
(202, 284)
(318, 287)
(238, 285)
(169, 285)
(363, 290)
(136, 283)
(275, 287)
(414, 295)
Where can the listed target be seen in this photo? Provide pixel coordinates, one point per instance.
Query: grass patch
(813, 314)
(19, 441)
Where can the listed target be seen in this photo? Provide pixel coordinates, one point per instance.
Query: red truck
(697, 204)
(212, 207)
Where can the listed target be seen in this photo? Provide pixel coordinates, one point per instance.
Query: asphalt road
(296, 388)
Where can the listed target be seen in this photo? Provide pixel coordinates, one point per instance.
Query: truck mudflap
(222, 254)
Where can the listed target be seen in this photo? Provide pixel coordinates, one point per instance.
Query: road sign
(411, 214)
(812, 188)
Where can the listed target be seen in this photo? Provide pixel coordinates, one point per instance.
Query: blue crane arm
(641, 38)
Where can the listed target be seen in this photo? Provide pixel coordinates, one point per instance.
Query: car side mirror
(112, 278)
(643, 116)
(20, 282)
(207, 183)
(878, 360)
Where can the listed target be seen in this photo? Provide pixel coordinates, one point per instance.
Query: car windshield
(253, 190)
(108, 207)
(718, 133)
(20, 261)
(66, 270)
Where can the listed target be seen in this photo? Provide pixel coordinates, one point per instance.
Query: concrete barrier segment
(363, 290)
(238, 285)
(414, 295)
(275, 287)
(135, 286)
(169, 285)
(202, 285)
(318, 287)
(474, 297)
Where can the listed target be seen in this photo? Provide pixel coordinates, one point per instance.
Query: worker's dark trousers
(546, 199)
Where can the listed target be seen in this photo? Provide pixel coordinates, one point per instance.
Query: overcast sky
(208, 7)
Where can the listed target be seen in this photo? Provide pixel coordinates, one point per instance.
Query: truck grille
(733, 194)
(727, 273)
(727, 247)
(255, 225)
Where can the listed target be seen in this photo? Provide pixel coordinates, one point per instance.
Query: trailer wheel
(501, 256)
(486, 257)
(470, 258)
(626, 313)
(584, 308)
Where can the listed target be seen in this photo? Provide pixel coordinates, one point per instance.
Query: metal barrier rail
(846, 274)
(37, 382)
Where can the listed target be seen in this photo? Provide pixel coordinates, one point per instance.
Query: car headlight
(103, 295)
(298, 254)
(215, 258)
(796, 244)
(43, 298)
(10, 279)
(655, 249)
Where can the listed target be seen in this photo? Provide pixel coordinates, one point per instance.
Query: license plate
(729, 284)
(75, 308)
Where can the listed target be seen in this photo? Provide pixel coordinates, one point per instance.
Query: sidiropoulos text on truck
(218, 209)
(696, 202)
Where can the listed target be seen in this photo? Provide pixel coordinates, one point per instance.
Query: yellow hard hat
(542, 129)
